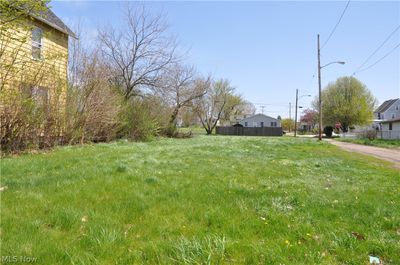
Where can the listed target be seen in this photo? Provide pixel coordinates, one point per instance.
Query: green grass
(376, 142)
(204, 200)
(195, 130)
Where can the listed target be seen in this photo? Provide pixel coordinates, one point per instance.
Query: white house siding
(393, 112)
(394, 133)
(260, 120)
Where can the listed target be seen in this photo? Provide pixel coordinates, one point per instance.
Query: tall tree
(139, 53)
(235, 105)
(287, 124)
(310, 117)
(211, 107)
(347, 101)
(180, 88)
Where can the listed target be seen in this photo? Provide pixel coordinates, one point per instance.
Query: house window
(40, 95)
(390, 126)
(392, 116)
(379, 115)
(262, 124)
(37, 45)
(273, 124)
(397, 107)
(245, 124)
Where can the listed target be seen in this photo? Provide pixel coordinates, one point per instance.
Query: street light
(319, 88)
(297, 107)
(338, 62)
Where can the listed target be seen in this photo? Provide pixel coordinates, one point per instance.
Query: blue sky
(268, 49)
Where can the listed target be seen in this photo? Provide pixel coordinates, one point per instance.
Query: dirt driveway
(391, 155)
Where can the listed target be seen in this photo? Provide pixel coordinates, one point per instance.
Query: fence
(389, 134)
(250, 131)
(380, 134)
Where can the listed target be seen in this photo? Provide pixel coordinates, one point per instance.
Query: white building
(390, 129)
(260, 120)
(387, 119)
(388, 110)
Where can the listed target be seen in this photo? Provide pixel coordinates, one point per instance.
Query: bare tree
(139, 53)
(181, 87)
(77, 51)
(219, 99)
(236, 108)
(93, 104)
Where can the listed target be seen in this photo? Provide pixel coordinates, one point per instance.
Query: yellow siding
(19, 68)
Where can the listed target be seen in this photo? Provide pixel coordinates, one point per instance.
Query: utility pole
(262, 109)
(295, 113)
(290, 116)
(319, 92)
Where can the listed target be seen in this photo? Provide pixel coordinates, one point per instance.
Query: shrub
(138, 121)
(369, 134)
(93, 114)
(31, 118)
(328, 130)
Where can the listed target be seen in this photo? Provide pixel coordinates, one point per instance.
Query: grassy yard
(204, 200)
(376, 142)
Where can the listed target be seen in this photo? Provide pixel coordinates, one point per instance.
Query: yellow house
(33, 77)
(34, 56)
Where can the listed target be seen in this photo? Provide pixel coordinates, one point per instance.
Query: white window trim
(36, 44)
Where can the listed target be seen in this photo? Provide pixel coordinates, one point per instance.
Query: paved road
(391, 155)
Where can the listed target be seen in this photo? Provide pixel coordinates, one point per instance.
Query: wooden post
(319, 92)
(295, 113)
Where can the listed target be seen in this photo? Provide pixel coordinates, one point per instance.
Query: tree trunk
(345, 127)
(172, 122)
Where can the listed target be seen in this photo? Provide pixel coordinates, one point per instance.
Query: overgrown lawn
(204, 200)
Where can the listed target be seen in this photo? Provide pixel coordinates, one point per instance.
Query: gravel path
(391, 155)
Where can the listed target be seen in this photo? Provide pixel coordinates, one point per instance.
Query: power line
(270, 104)
(377, 49)
(376, 62)
(337, 24)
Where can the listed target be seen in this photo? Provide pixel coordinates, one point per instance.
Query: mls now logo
(19, 259)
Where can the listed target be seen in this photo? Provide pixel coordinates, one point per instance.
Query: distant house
(306, 127)
(260, 120)
(388, 110)
(387, 119)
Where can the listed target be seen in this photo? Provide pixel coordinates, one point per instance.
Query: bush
(93, 113)
(31, 118)
(370, 134)
(328, 130)
(138, 121)
(301, 132)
